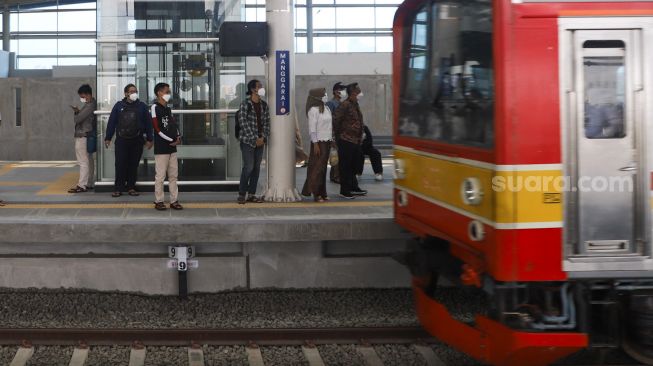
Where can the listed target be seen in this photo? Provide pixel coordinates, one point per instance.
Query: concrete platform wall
(224, 266)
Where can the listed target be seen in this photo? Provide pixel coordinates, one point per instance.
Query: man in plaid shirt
(254, 121)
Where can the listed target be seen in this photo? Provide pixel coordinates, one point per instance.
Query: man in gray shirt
(85, 129)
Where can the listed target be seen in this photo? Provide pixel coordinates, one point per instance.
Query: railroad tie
(22, 356)
(431, 358)
(79, 357)
(137, 356)
(312, 355)
(195, 357)
(254, 356)
(370, 356)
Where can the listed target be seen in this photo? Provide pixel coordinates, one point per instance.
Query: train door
(603, 107)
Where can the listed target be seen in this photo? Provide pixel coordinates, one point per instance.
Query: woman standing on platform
(321, 132)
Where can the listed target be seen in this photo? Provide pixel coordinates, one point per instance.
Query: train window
(603, 71)
(448, 88)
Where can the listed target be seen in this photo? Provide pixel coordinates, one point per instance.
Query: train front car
(522, 168)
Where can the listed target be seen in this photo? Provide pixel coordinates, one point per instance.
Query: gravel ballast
(340, 355)
(51, 356)
(225, 356)
(399, 354)
(238, 309)
(166, 356)
(7, 354)
(283, 356)
(104, 356)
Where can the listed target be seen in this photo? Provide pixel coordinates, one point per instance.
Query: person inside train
(320, 127)
(253, 118)
(130, 122)
(166, 139)
(339, 94)
(85, 139)
(368, 150)
(348, 124)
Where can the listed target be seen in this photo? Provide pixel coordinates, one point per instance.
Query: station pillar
(281, 99)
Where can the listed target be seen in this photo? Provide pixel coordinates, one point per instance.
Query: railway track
(254, 344)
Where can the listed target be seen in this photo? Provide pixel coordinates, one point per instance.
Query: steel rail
(172, 337)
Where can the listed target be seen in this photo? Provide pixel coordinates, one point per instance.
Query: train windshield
(447, 90)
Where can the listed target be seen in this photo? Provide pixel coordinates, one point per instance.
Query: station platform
(57, 239)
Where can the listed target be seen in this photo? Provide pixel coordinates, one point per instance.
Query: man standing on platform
(339, 94)
(253, 117)
(129, 121)
(349, 132)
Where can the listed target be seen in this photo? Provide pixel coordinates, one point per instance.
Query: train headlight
(476, 231)
(402, 199)
(400, 169)
(471, 191)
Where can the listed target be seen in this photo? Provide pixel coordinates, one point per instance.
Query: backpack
(128, 124)
(249, 110)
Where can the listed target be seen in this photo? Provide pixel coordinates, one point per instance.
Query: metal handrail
(185, 111)
(157, 40)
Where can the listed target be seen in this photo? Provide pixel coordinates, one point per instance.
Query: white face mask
(360, 95)
(83, 100)
(325, 99)
(343, 94)
(133, 97)
(166, 97)
(261, 92)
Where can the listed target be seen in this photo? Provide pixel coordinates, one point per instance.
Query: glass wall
(337, 25)
(51, 33)
(146, 42)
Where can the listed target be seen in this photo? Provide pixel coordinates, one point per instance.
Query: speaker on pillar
(241, 39)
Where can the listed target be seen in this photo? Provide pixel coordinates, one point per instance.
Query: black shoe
(241, 200)
(348, 196)
(359, 192)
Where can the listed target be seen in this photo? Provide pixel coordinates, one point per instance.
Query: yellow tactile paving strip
(216, 205)
(61, 185)
(4, 169)
(23, 184)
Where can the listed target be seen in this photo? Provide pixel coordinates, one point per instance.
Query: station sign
(283, 83)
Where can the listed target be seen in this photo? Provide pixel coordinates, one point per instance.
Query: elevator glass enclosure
(145, 42)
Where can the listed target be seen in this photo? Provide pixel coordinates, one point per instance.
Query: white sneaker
(378, 177)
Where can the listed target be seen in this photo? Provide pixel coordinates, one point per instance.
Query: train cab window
(448, 86)
(603, 73)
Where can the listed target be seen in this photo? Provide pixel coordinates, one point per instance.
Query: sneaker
(241, 199)
(378, 177)
(359, 193)
(348, 196)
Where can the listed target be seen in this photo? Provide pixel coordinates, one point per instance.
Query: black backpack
(249, 110)
(128, 123)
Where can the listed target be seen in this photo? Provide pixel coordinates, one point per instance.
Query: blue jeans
(252, 157)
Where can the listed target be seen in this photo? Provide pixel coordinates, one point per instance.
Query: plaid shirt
(247, 121)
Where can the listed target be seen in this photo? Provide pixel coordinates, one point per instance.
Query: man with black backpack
(130, 122)
(253, 130)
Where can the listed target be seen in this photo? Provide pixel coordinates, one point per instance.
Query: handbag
(333, 157)
(91, 142)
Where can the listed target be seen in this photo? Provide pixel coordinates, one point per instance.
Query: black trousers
(375, 159)
(348, 157)
(128, 156)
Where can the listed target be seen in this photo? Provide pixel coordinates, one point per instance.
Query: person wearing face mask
(130, 122)
(321, 131)
(85, 129)
(166, 139)
(349, 134)
(253, 117)
(339, 94)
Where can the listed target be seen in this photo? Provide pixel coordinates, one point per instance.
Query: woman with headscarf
(320, 130)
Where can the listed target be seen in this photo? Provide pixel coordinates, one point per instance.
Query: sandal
(176, 206)
(160, 206)
(318, 199)
(133, 193)
(3, 203)
(254, 199)
(116, 194)
(77, 189)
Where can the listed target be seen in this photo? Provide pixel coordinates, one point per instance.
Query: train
(523, 171)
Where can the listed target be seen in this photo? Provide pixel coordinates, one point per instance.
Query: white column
(6, 36)
(281, 148)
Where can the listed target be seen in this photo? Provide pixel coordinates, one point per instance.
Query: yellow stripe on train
(509, 196)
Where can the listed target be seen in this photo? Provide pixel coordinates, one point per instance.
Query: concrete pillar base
(283, 195)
